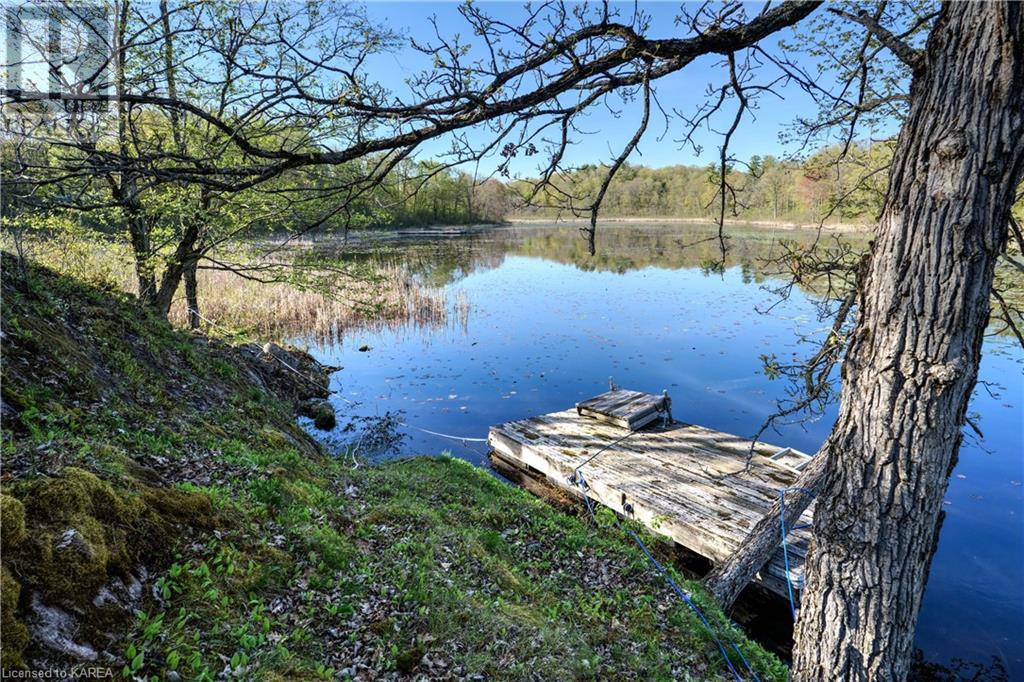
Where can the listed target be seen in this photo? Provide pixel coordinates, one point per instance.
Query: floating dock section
(689, 484)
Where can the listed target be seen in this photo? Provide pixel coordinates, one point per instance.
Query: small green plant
(136, 659)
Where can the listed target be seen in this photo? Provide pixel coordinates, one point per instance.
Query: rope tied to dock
(579, 481)
(605, 447)
(785, 549)
(460, 439)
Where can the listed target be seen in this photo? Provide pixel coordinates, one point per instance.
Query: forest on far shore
(829, 186)
(826, 186)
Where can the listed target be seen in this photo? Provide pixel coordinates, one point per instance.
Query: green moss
(336, 551)
(107, 505)
(275, 438)
(79, 492)
(12, 521)
(81, 531)
(15, 634)
(19, 400)
(74, 565)
(193, 509)
(407, 660)
(56, 500)
(382, 627)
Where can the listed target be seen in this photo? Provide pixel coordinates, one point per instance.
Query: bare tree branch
(906, 54)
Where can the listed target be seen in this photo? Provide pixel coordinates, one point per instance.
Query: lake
(547, 325)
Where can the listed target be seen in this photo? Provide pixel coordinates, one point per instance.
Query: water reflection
(549, 324)
(993, 670)
(621, 249)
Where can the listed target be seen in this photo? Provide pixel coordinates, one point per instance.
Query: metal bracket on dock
(793, 459)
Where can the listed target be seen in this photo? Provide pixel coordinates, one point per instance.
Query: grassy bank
(165, 517)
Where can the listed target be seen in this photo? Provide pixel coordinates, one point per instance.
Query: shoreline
(760, 224)
(218, 504)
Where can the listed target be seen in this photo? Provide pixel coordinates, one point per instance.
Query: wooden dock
(684, 482)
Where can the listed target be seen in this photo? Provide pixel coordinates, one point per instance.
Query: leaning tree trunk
(182, 265)
(727, 579)
(914, 354)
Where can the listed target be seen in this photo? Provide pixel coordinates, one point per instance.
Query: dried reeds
(308, 295)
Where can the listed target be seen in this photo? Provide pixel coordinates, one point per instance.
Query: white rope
(445, 435)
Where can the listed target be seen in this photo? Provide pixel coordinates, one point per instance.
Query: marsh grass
(322, 311)
(303, 291)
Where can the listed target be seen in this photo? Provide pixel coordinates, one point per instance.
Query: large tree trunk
(185, 256)
(145, 277)
(914, 354)
(138, 233)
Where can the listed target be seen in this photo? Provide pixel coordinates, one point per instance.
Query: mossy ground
(269, 560)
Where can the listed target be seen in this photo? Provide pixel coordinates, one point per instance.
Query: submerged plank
(701, 488)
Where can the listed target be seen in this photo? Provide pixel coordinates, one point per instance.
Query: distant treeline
(828, 185)
(425, 193)
(422, 193)
(850, 189)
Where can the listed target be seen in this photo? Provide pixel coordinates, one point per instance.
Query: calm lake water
(548, 325)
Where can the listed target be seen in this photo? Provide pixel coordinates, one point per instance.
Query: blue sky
(683, 90)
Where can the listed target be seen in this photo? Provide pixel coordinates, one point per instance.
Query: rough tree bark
(185, 256)
(124, 191)
(914, 353)
(192, 294)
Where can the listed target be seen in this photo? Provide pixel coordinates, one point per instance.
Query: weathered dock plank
(624, 408)
(688, 483)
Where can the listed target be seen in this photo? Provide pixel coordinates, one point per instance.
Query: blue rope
(689, 602)
(785, 550)
(578, 480)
